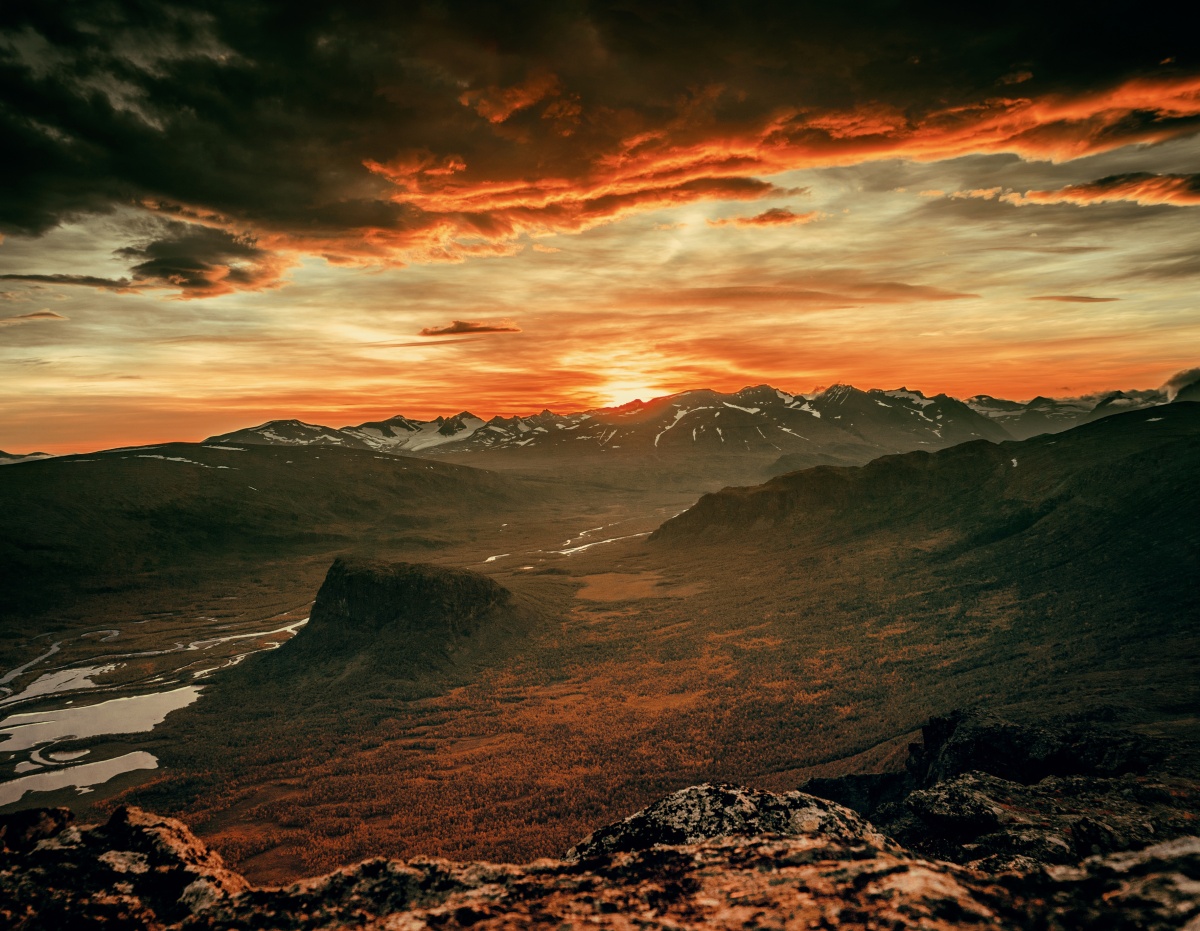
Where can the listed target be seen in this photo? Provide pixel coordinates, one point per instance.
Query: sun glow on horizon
(618, 393)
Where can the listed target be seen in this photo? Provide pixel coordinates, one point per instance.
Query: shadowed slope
(1139, 464)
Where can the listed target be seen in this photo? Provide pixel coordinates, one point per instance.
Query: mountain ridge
(931, 479)
(841, 424)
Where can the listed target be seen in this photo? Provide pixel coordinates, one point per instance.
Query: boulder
(709, 811)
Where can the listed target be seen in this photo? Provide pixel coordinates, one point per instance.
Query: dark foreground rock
(996, 795)
(820, 866)
(136, 871)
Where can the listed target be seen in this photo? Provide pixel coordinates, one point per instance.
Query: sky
(218, 213)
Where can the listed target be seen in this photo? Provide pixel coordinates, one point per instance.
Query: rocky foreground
(1095, 843)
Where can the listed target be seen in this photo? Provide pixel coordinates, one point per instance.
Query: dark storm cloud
(459, 327)
(373, 132)
(198, 261)
(201, 261)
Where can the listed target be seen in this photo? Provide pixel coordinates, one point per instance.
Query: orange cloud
(1137, 187)
(446, 208)
(694, 157)
(776, 216)
(450, 221)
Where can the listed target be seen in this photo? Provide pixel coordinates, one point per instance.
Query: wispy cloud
(37, 316)
(1179, 190)
(86, 281)
(1074, 298)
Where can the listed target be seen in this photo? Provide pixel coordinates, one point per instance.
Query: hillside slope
(114, 522)
(1135, 471)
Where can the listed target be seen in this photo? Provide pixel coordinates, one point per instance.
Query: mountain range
(839, 425)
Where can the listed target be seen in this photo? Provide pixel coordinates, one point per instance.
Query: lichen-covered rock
(972, 849)
(708, 811)
(138, 870)
(131, 874)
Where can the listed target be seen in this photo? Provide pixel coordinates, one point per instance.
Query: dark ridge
(986, 491)
(1190, 392)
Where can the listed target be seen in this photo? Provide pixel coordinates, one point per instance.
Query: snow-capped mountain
(289, 433)
(904, 419)
(414, 436)
(1053, 415)
(841, 424)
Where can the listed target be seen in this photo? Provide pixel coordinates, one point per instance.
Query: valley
(598, 465)
(761, 636)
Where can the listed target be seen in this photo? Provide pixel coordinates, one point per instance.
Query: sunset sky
(218, 213)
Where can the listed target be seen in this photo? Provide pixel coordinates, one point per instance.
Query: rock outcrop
(402, 597)
(136, 871)
(142, 872)
(406, 618)
(707, 811)
(998, 796)
(1071, 836)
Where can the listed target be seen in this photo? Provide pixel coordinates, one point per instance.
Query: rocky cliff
(376, 613)
(382, 598)
(710, 856)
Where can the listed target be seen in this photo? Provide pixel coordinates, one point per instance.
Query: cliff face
(401, 598)
(406, 618)
(398, 626)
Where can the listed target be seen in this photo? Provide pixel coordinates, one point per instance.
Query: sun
(617, 393)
